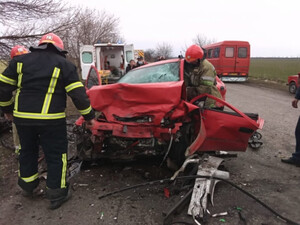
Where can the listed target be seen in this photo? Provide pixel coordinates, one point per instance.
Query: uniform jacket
(42, 79)
(201, 79)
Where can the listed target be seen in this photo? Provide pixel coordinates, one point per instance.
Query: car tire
(292, 87)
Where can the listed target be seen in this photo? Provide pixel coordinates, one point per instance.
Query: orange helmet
(18, 50)
(193, 53)
(53, 39)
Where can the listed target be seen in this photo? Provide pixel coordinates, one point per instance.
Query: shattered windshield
(153, 74)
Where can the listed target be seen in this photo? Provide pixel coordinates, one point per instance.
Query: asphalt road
(257, 171)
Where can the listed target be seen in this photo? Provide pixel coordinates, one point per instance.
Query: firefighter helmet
(53, 39)
(193, 53)
(18, 50)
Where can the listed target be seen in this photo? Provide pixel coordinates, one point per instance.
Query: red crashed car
(147, 113)
(293, 83)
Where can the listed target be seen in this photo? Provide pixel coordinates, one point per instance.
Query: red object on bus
(231, 59)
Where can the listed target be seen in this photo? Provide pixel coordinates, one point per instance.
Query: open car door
(223, 130)
(93, 78)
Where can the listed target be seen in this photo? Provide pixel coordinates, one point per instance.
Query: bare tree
(200, 40)
(25, 21)
(164, 50)
(92, 27)
(24, 10)
(149, 55)
(203, 40)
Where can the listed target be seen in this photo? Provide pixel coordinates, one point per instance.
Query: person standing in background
(295, 158)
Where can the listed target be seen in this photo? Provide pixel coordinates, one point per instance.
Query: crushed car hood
(123, 102)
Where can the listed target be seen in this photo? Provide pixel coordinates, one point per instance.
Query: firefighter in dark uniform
(42, 79)
(200, 75)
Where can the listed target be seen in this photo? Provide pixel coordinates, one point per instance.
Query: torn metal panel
(204, 187)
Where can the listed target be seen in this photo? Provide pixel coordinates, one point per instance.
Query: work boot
(58, 196)
(28, 188)
(57, 203)
(292, 161)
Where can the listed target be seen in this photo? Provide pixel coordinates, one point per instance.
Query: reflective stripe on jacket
(42, 79)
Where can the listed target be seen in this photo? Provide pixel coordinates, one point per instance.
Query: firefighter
(15, 51)
(200, 75)
(42, 79)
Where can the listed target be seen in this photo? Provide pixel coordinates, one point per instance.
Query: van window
(87, 57)
(216, 52)
(242, 52)
(229, 52)
(129, 56)
(209, 54)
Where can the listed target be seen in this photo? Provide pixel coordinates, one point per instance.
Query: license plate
(233, 74)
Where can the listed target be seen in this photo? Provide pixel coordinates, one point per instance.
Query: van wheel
(292, 87)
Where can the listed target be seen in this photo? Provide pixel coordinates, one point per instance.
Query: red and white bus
(230, 58)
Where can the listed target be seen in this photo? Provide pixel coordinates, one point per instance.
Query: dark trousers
(53, 140)
(296, 155)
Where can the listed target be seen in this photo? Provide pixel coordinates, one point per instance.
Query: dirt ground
(258, 171)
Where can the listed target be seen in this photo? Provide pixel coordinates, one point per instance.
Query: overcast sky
(271, 26)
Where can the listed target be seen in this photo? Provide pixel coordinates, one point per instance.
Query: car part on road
(74, 168)
(288, 221)
(204, 187)
(254, 141)
(178, 207)
(169, 148)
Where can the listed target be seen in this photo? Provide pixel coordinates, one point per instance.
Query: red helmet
(53, 39)
(18, 50)
(193, 53)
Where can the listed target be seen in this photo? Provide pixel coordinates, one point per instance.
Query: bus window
(242, 52)
(209, 54)
(229, 52)
(216, 52)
